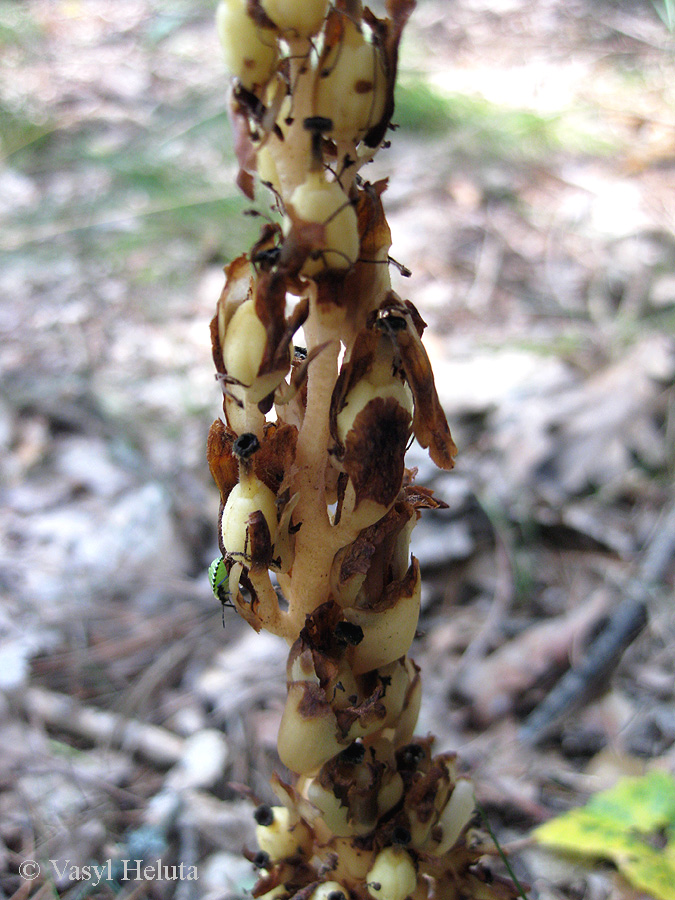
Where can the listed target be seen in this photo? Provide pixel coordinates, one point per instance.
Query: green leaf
(627, 825)
(583, 832)
(645, 803)
(652, 872)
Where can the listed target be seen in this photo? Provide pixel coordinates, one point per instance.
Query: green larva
(220, 583)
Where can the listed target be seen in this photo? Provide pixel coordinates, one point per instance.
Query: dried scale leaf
(375, 451)
(356, 558)
(388, 33)
(276, 454)
(403, 325)
(222, 462)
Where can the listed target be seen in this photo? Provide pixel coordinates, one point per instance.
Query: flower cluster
(310, 463)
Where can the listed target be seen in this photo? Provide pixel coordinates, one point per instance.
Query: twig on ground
(625, 624)
(155, 744)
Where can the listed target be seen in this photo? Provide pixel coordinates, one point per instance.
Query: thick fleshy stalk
(310, 462)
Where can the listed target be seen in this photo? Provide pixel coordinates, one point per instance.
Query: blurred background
(532, 194)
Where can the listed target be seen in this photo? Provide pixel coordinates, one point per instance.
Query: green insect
(220, 583)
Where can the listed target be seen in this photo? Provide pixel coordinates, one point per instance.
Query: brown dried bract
(375, 451)
(388, 35)
(422, 497)
(244, 106)
(258, 14)
(401, 323)
(358, 795)
(421, 795)
(319, 631)
(270, 308)
(276, 454)
(260, 548)
(371, 711)
(355, 559)
(222, 462)
(301, 240)
(394, 590)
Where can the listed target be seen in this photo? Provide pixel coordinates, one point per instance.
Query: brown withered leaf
(246, 183)
(375, 450)
(422, 792)
(270, 307)
(416, 318)
(248, 611)
(394, 590)
(276, 454)
(244, 149)
(319, 630)
(301, 240)
(356, 558)
(423, 497)
(260, 548)
(374, 230)
(372, 709)
(313, 704)
(399, 321)
(387, 34)
(315, 647)
(223, 464)
(265, 251)
(358, 795)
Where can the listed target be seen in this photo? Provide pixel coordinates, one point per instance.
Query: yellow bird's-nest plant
(309, 459)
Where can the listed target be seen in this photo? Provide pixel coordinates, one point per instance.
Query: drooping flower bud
(250, 52)
(454, 818)
(324, 203)
(248, 497)
(298, 19)
(353, 862)
(388, 630)
(393, 875)
(308, 733)
(351, 85)
(330, 890)
(363, 393)
(244, 344)
(283, 836)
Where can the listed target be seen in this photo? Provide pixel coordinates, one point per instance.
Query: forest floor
(532, 194)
